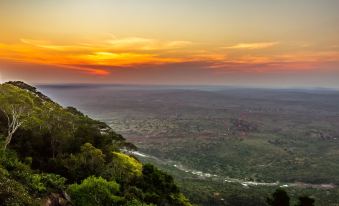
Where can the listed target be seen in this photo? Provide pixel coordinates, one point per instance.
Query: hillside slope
(59, 156)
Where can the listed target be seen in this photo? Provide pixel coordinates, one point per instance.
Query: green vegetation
(58, 156)
(279, 198)
(285, 136)
(52, 154)
(95, 191)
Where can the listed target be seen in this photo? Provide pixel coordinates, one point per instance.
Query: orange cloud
(145, 44)
(114, 52)
(98, 58)
(124, 59)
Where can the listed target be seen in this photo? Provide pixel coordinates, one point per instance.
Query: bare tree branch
(14, 122)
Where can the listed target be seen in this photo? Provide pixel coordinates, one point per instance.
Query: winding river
(244, 183)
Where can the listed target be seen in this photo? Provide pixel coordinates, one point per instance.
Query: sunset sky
(263, 43)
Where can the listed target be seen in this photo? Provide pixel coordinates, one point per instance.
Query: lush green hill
(53, 154)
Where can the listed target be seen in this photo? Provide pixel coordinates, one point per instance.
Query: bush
(159, 188)
(157, 181)
(13, 193)
(53, 181)
(137, 203)
(23, 174)
(279, 198)
(95, 191)
(45, 182)
(91, 161)
(306, 201)
(122, 168)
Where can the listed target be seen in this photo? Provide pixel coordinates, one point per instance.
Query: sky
(259, 43)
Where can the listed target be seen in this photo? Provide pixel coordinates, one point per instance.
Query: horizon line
(70, 84)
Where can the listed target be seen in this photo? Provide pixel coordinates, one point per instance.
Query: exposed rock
(55, 199)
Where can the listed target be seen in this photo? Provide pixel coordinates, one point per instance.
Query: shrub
(45, 182)
(91, 161)
(13, 193)
(95, 191)
(22, 173)
(53, 181)
(137, 203)
(159, 188)
(122, 168)
(306, 201)
(157, 181)
(279, 198)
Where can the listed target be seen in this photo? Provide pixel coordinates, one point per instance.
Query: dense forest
(52, 155)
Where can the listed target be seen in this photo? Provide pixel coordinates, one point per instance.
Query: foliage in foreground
(95, 191)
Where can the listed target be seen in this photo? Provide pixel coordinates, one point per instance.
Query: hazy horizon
(84, 84)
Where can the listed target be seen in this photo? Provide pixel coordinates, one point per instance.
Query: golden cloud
(137, 43)
(136, 51)
(256, 45)
(114, 52)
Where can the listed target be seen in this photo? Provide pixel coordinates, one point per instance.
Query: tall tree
(59, 125)
(16, 105)
(14, 121)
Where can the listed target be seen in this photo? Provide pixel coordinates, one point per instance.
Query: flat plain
(221, 141)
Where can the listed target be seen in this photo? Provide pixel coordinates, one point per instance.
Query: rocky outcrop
(57, 199)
